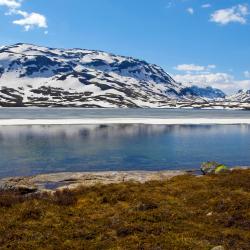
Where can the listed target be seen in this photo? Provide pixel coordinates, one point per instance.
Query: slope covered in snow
(39, 76)
(242, 96)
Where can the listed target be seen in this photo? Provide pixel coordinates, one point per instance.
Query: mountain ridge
(32, 75)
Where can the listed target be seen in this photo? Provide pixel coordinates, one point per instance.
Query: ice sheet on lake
(89, 121)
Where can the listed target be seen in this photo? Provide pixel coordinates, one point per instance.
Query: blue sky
(201, 42)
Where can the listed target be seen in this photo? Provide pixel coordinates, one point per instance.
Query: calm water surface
(28, 150)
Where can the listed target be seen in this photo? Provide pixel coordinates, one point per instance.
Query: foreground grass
(186, 212)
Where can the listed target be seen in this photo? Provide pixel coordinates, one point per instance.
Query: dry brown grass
(186, 212)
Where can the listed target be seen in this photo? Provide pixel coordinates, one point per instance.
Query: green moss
(221, 168)
(186, 212)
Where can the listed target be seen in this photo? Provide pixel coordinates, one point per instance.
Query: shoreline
(146, 121)
(72, 180)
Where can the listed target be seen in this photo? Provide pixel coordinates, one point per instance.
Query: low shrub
(186, 212)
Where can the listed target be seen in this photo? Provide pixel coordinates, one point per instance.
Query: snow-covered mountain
(243, 96)
(38, 76)
(206, 92)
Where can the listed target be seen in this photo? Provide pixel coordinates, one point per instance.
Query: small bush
(64, 198)
(32, 213)
(145, 206)
(8, 198)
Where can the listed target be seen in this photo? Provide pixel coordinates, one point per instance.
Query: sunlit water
(28, 150)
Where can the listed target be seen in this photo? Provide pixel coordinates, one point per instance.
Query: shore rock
(212, 167)
(19, 184)
(57, 181)
(218, 248)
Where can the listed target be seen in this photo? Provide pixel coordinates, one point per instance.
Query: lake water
(29, 150)
(35, 149)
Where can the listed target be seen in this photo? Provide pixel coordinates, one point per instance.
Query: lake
(80, 113)
(35, 149)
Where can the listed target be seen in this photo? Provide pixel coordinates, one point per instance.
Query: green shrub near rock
(213, 167)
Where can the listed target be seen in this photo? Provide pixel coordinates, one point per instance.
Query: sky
(200, 42)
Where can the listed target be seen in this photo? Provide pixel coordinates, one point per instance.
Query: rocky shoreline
(72, 180)
(59, 181)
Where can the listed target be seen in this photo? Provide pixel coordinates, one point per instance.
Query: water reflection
(27, 150)
(106, 131)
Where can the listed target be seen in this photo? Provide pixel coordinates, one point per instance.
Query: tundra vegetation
(186, 212)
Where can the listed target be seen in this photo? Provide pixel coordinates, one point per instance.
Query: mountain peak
(42, 76)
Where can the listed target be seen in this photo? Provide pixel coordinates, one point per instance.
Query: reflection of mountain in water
(27, 150)
(108, 131)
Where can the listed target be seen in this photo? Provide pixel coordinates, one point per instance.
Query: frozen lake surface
(62, 116)
(79, 113)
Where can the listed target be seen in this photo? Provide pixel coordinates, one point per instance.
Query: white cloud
(31, 20)
(189, 67)
(10, 3)
(206, 5)
(193, 67)
(205, 79)
(211, 66)
(28, 20)
(223, 81)
(190, 11)
(247, 73)
(169, 5)
(244, 84)
(236, 14)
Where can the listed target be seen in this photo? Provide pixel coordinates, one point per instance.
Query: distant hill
(38, 76)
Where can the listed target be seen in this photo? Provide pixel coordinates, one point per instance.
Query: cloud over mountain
(28, 20)
(235, 14)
